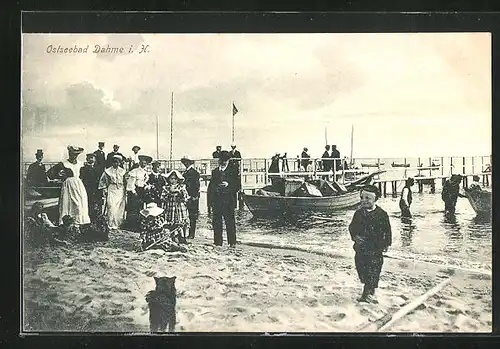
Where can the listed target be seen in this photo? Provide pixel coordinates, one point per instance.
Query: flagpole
(171, 126)
(352, 142)
(157, 136)
(326, 136)
(232, 112)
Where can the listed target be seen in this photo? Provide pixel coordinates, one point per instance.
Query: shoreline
(101, 287)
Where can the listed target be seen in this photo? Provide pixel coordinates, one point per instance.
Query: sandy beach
(101, 287)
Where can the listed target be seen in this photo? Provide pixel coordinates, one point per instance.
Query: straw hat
(136, 147)
(75, 150)
(146, 158)
(179, 176)
(187, 159)
(152, 209)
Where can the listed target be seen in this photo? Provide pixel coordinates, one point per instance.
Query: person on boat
(112, 183)
(220, 195)
(406, 198)
(135, 181)
(235, 163)
(192, 181)
(174, 197)
(217, 152)
(36, 175)
(370, 229)
(133, 160)
(274, 168)
(284, 163)
(337, 163)
(326, 164)
(90, 176)
(155, 184)
(304, 159)
(73, 200)
(100, 157)
(475, 185)
(111, 156)
(451, 192)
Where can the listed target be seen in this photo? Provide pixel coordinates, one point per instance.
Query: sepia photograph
(271, 182)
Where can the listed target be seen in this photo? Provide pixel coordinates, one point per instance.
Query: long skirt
(73, 201)
(115, 206)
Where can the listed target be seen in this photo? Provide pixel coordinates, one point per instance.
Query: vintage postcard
(256, 182)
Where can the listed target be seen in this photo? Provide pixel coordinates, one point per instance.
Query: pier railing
(255, 171)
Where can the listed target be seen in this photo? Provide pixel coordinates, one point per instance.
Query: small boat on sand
(400, 165)
(372, 165)
(480, 200)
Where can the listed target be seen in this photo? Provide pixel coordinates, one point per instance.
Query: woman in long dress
(113, 183)
(73, 200)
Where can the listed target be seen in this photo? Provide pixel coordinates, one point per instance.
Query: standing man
(338, 163)
(216, 153)
(100, 157)
(236, 155)
(451, 192)
(304, 162)
(136, 181)
(220, 196)
(36, 175)
(134, 159)
(406, 198)
(326, 164)
(114, 153)
(90, 176)
(192, 182)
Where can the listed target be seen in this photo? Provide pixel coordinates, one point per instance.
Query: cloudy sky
(405, 94)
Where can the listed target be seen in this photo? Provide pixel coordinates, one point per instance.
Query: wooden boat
(372, 165)
(400, 165)
(480, 200)
(274, 205)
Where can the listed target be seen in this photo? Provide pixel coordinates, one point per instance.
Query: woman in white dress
(113, 183)
(73, 199)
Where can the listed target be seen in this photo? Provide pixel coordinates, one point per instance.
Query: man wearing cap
(216, 153)
(220, 195)
(370, 230)
(155, 184)
(109, 159)
(192, 182)
(134, 159)
(90, 176)
(36, 175)
(100, 157)
(235, 163)
(136, 180)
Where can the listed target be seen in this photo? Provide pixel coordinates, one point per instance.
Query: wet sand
(101, 287)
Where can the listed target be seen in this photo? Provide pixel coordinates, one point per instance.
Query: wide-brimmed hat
(39, 152)
(179, 176)
(146, 158)
(187, 159)
(74, 149)
(152, 209)
(224, 155)
(136, 147)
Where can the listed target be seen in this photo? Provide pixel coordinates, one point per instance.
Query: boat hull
(480, 201)
(274, 205)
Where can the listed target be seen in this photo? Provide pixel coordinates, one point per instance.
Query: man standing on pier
(326, 164)
(220, 194)
(192, 182)
(338, 163)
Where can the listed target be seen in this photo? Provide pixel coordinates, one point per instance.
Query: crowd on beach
(110, 191)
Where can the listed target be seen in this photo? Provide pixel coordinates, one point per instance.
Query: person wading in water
(406, 198)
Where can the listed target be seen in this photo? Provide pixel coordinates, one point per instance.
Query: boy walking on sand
(370, 230)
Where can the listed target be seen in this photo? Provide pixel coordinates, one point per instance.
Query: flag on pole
(235, 110)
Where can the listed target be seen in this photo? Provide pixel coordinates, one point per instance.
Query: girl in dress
(174, 197)
(73, 200)
(113, 183)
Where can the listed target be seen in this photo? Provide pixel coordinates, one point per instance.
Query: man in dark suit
(109, 159)
(90, 175)
(338, 162)
(326, 164)
(217, 152)
(100, 157)
(36, 175)
(192, 182)
(235, 163)
(221, 188)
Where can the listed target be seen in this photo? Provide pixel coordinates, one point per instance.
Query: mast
(157, 136)
(326, 136)
(232, 112)
(352, 143)
(171, 126)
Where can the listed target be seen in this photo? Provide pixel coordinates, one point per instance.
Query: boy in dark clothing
(406, 198)
(370, 230)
